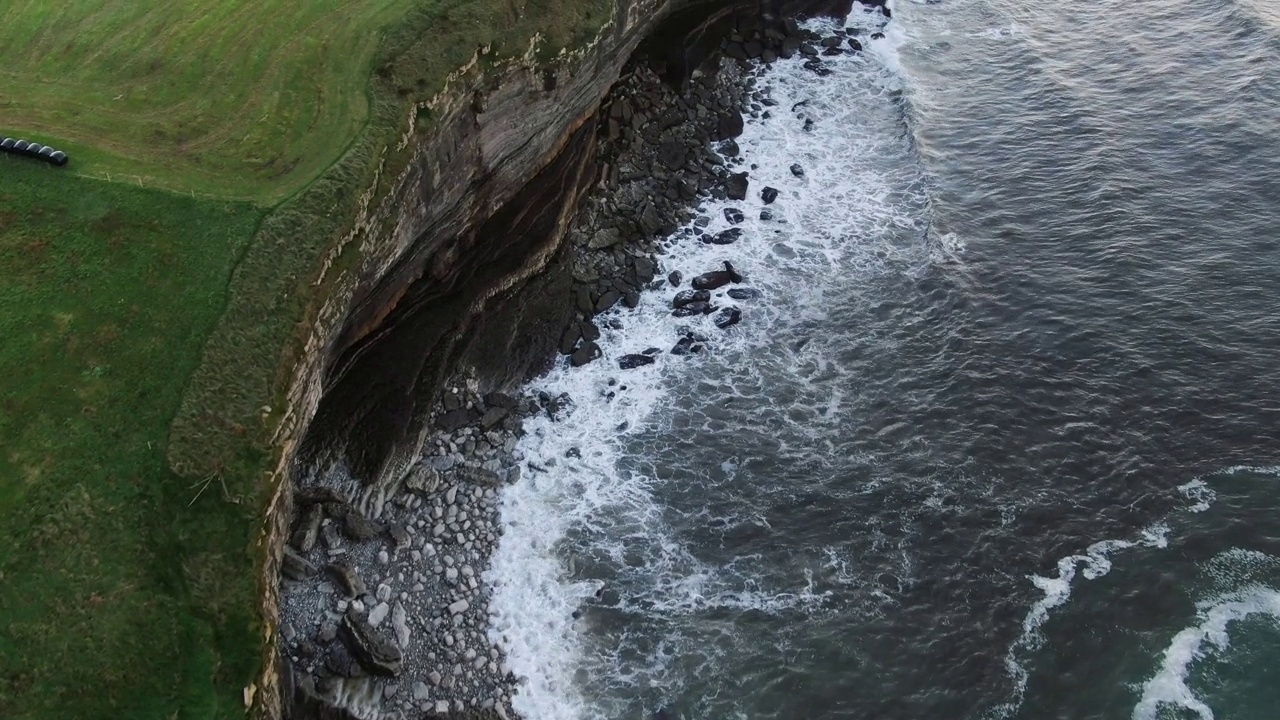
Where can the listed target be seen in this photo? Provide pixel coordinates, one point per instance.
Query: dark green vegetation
(143, 330)
(119, 597)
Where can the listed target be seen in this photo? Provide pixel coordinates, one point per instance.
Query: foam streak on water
(582, 513)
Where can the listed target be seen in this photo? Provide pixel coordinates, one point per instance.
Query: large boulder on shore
(729, 125)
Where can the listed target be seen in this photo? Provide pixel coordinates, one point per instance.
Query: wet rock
(877, 36)
(675, 278)
(766, 215)
(797, 170)
(729, 125)
(830, 42)
(645, 269)
(376, 654)
(686, 346)
(736, 185)
(854, 45)
(608, 300)
(628, 362)
(717, 278)
(815, 66)
(727, 317)
(808, 50)
(725, 237)
(743, 293)
(502, 400)
(631, 299)
(585, 354)
(695, 308)
(684, 297)
(768, 195)
(733, 215)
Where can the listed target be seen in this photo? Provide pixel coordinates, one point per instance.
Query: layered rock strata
(393, 514)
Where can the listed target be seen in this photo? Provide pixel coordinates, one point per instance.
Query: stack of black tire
(14, 146)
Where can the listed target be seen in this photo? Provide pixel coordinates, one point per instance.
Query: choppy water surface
(1000, 439)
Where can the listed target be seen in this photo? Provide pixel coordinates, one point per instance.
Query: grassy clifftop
(150, 294)
(234, 98)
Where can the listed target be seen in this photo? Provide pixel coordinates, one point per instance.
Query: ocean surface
(1000, 438)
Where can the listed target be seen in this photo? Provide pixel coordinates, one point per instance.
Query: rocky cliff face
(462, 259)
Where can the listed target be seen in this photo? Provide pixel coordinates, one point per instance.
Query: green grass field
(117, 599)
(234, 98)
(152, 295)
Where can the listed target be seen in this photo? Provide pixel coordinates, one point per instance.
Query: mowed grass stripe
(245, 99)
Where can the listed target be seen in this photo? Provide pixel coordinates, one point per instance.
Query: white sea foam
(1094, 563)
(1211, 635)
(586, 502)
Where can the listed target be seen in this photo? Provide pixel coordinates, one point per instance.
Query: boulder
(493, 416)
(585, 354)
(727, 317)
(608, 300)
(296, 567)
(686, 346)
(347, 578)
(743, 293)
(453, 420)
(359, 528)
(729, 125)
(422, 480)
(725, 237)
(733, 215)
(768, 195)
(797, 170)
(684, 297)
(717, 278)
(304, 538)
(675, 278)
(735, 187)
(634, 360)
(694, 308)
(375, 653)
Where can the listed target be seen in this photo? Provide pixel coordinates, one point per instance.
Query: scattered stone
(733, 215)
(453, 420)
(585, 354)
(743, 293)
(493, 416)
(768, 195)
(797, 170)
(304, 539)
(378, 614)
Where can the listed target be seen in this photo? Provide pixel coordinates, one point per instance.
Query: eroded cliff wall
(462, 260)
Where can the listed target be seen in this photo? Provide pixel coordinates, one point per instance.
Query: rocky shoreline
(384, 613)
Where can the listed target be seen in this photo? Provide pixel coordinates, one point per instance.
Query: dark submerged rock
(684, 297)
(634, 360)
(733, 215)
(693, 308)
(725, 237)
(727, 317)
(744, 293)
(717, 278)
